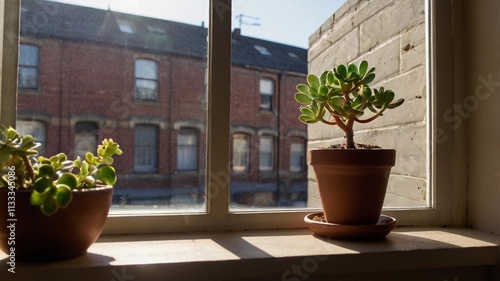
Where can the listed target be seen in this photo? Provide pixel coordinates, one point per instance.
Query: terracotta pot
(64, 235)
(352, 182)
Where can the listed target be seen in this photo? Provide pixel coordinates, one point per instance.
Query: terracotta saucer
(351, 232)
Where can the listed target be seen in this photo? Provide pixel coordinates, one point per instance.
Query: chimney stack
(236, 33)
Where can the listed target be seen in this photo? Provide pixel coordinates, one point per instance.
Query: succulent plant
(52, 179)
(344, 93)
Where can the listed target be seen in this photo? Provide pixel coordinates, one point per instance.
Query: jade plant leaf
(303, 98)
(69, 180)
(50, 206)
(63, 195)
(46, 171)
(42, 184)
(313, 81)
(38, 198)
(363, 67)
(107, 175)
(303, 88)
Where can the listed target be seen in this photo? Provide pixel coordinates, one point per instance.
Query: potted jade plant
(352, 178)
(52, 208)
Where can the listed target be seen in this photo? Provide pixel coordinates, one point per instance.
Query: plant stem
(349, 134)
(27, 163)
(371, 118)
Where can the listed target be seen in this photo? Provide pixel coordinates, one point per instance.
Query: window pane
(297, 157)
(146, 89)
(96, 62)
(187, 152)
(266, 94)
(28, 55)
(28, 78)
(28, 66)
(266, 86)
(276, 53)
(145, 149)
(146, 69)
(240, 153)
(146, 84)
(266, 154)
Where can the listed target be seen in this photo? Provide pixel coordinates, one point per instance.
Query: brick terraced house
(86, 74)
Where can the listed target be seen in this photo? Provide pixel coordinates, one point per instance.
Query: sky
(284, 21)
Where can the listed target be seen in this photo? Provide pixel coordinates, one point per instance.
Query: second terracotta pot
(352, 182)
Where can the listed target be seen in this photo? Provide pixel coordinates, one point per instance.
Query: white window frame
(448, 196)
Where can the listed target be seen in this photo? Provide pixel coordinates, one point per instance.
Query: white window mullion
(219, 87)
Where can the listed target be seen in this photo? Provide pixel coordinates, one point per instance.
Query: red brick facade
(89, 81)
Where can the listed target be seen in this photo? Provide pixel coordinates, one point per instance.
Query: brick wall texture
(390, 35)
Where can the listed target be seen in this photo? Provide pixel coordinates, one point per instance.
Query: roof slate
(69, 22)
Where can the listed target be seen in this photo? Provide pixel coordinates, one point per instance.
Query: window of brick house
(187, 150)
(266, 153)
(145, 148)
(266, 94)
(34, 128)
(86, 135)
(146, 80)
(297, 157)
(29, 61)
(241, 153)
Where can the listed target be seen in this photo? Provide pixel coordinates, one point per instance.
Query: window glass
(125, 26)
(86, 134)
(146, 80)
(101, 60)
(28, 66)
(145, 148)
(266, 94)
(297, 157)
(240, 153)
(187, 151)
(34, 128)
(266, 150)
(282, 59)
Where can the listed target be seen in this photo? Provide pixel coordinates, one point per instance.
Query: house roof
(63, 21)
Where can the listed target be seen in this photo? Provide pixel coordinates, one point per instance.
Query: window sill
(270, 255)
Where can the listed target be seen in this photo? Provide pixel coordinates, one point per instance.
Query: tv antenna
(241, 20)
